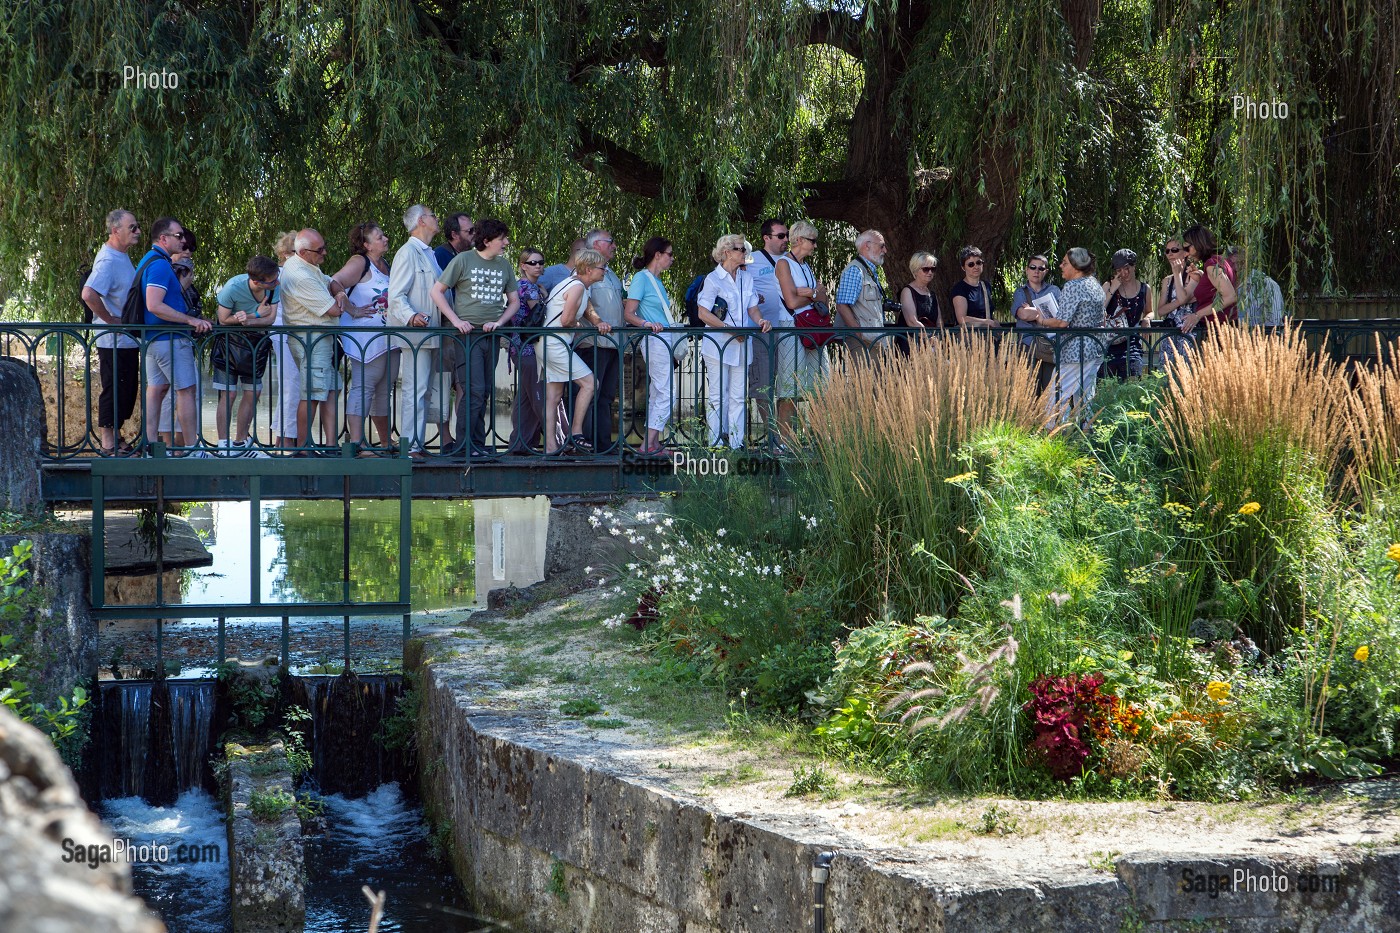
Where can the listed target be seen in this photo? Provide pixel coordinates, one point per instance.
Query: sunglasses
(737, 249)
(1038, 268)
(928, 269)
(271, 284)
(974, 262)
(779, 236)
(1176, 249)
(533, 262)
(320, 250)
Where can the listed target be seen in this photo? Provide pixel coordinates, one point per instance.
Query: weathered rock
(57, 635)
(39, 810)
(266, 862)
(21, 432)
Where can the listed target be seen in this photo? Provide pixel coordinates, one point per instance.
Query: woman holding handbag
(649, 306)
(728, 301)
(804, 297)
(972, 300)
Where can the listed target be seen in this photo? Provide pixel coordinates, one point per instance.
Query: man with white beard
(860, 295)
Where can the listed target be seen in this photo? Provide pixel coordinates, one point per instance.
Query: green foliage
(578, 708)
(811, 780)
(294, 740)
(253, 698)
(269, 805)
(559, 882)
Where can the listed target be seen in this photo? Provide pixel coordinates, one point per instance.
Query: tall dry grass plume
(1373, 423)
(1259, 418)
(886, 435)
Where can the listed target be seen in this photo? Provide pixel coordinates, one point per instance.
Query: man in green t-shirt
(483, 282)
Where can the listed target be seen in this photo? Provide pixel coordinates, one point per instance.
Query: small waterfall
(347, 713)
(153, 739)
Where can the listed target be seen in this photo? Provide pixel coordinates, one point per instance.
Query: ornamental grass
(1373, 424)
(1258, 424)
(886, 436)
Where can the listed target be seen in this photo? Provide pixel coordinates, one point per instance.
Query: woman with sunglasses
(1175, 304)
(1218, 278)
(917, 303)
(728, 300)
(649, 306)
(800, 370)
(972, 300)
(527, 413)
(1034, 288)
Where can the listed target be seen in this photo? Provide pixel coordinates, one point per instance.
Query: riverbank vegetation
(1195, 597)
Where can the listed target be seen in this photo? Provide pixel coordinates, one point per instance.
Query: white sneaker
(227, 448)
(200, 454)
(248, 450)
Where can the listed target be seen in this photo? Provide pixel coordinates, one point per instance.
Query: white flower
(602, 580)
(614, 531)
(644, 516)
(666, 560)
(659, 529)
(668, 521)
(588, 571)
(594, 522)
(721, 533)
(617, 590)
(632, 567)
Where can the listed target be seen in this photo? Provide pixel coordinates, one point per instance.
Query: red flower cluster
(1066, 714)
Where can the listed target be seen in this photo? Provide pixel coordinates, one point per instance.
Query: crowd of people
(362, 321)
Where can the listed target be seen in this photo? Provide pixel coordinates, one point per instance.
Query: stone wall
(40, 892)
(21, 428)
(266, 862)
(58, 635)
(555, 832)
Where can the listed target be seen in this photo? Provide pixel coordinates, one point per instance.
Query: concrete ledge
(559, 830)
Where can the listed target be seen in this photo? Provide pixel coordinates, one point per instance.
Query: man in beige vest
(411, 279)
(859, 294)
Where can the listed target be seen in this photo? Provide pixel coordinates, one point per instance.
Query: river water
(380, 840)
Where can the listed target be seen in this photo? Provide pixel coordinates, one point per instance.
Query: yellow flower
(962, 477)
(1393, 553)
(1218, 690)
(1249, 508)
(1362, 653)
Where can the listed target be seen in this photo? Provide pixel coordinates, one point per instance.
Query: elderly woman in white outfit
(728, 299)
(558, 364)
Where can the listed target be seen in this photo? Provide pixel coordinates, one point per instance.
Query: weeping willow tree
(1019, 126)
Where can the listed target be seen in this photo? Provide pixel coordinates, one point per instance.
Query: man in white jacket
(411, 279)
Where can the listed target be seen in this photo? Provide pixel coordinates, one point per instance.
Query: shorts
(558, 362)
(227, 381)
(318, 376)
(810, 369)
(787, 344)
(171, 363)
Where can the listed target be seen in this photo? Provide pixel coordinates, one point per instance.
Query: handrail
(65, 358)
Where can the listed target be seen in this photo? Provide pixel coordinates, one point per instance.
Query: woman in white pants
(287, 376)
(649, 306)
(728, 299)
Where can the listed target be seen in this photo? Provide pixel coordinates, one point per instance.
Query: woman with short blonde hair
(917, 303)
(566, 308)
(728, 300)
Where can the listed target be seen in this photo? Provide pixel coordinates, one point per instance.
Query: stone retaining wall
(266, 863)
(554, 831)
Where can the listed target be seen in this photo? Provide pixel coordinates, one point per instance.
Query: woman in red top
(1218, 278)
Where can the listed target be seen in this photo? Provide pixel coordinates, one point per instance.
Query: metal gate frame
(159, 466)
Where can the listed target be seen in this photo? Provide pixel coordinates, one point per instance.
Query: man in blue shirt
(169, 356)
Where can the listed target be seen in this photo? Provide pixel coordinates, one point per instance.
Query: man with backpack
(104, 292)
(169, 356)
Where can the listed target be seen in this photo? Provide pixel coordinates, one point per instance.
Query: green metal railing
(161, 467)
(71, 363)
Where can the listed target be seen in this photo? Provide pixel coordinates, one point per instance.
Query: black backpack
(83, 275)
(692, 302)
(134, 308)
